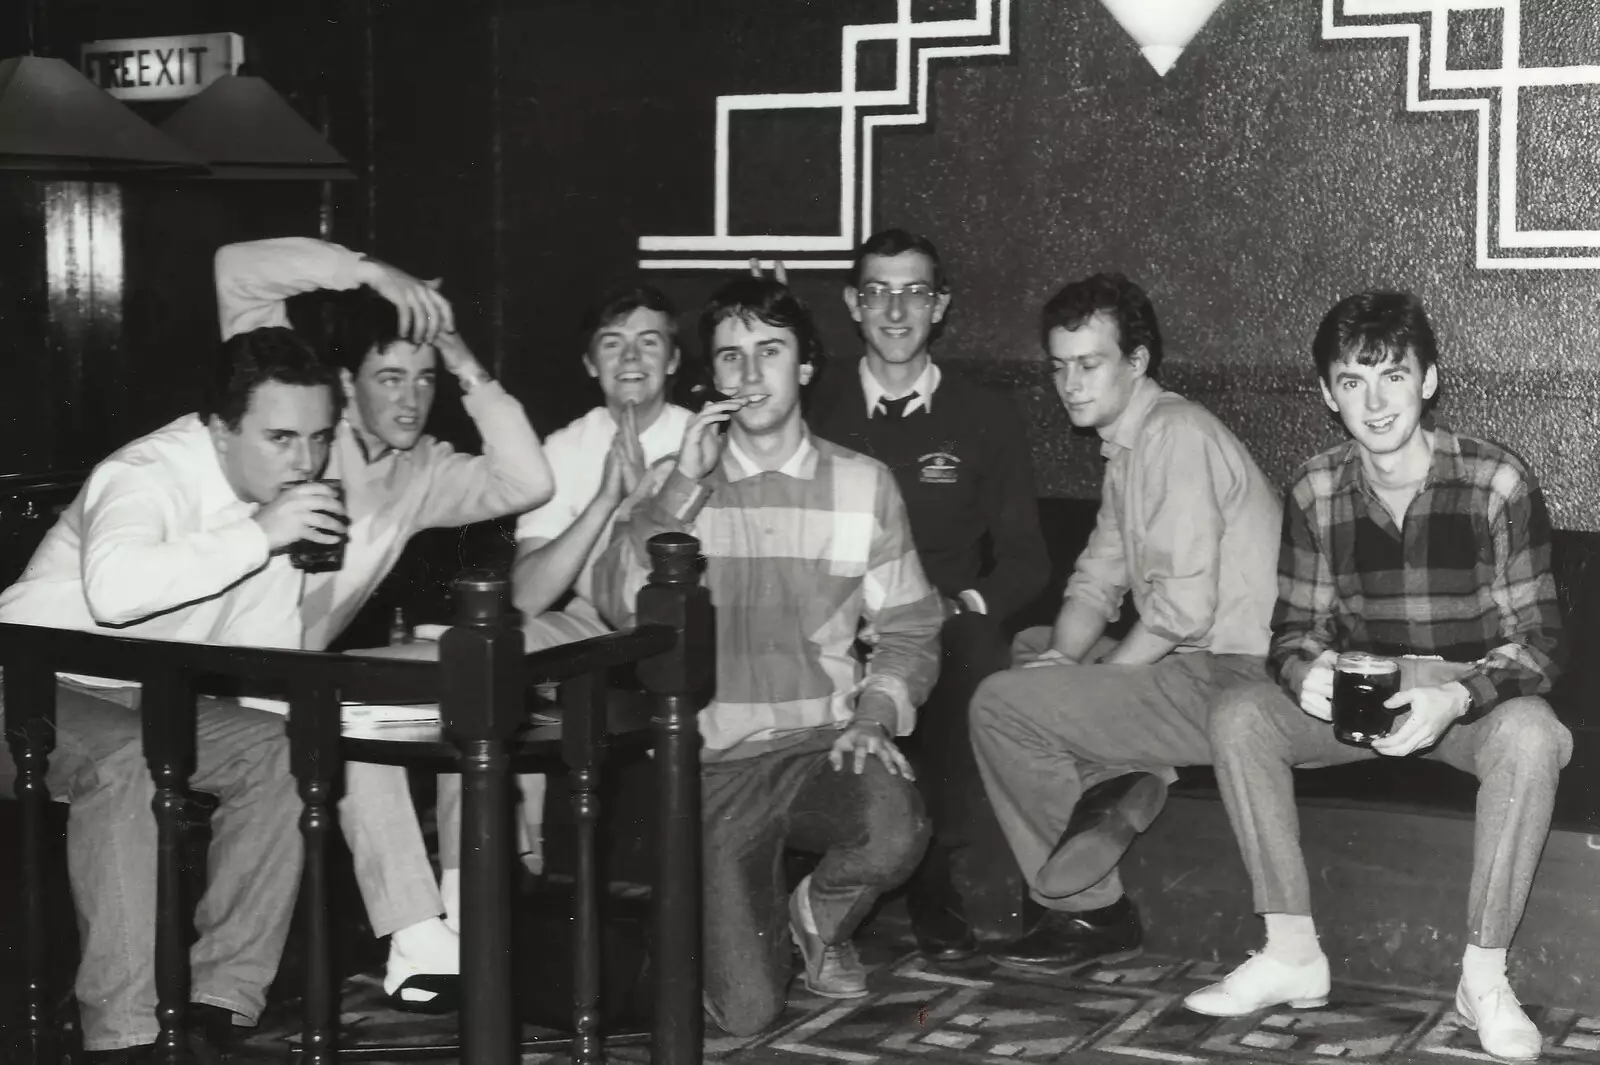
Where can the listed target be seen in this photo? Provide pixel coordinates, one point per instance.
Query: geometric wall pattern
(861, 113)
(1495, 92)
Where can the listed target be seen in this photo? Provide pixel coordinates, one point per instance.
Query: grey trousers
(98, 766)
(1516, 751)
(1043, 736)
(868, 827)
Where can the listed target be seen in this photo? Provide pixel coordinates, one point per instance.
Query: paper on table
(360, 714)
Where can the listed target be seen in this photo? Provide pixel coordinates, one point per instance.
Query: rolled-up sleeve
(1180, 547)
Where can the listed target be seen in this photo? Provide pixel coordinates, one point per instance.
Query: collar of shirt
(217, 496)
(1447, 467)
(1123, 433)
(802, 465)
(662, 435)
(924, 386)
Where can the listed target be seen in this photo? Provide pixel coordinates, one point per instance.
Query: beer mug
(1362, 683)
(311, 556)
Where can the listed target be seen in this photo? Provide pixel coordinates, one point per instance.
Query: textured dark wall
(1268, 174)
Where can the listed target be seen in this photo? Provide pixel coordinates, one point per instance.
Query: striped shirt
(1466, 578)
(801, 561)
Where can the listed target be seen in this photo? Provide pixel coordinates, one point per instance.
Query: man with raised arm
(184, 535)
(1406, 540)
(962, 462)
(1077, 746)
(389, 333)
(807, 548)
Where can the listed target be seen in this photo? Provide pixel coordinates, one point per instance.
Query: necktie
(895, 408)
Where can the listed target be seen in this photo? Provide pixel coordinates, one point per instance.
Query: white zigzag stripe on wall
(1506, 82)
(991, 24)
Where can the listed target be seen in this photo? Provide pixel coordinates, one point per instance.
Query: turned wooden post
(481, 688)
(167, 707)
(682, 680)
(314, 758)
(583, 729)
(30, 702)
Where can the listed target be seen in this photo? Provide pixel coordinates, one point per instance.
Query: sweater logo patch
(940, 467)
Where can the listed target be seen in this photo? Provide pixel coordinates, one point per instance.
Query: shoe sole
(1296, 1004)
(1048, 969)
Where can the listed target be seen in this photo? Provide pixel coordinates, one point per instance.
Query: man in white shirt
(390, 331)
(631, 350)
(183, 535)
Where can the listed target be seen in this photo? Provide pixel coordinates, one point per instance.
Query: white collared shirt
(158, 545)
(924, 386)
(577, 457)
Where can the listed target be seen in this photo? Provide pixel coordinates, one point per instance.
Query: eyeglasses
(918, 297)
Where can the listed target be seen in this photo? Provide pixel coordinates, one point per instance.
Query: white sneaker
(1504, 1030)
(1261, 982)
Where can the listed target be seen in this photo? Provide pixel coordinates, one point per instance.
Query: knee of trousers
(749, 1010)
(1242, 715)
(1527, 730)
(897, 835)
(992, 711)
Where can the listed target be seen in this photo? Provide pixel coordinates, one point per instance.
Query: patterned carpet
(982, 1013)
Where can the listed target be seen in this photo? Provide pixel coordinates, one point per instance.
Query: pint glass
(1361, 685)
(313, 557)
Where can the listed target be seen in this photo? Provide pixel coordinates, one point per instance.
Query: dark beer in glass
(1362, 683)
(311, 556)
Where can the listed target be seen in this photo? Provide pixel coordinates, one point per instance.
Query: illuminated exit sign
(161, 68)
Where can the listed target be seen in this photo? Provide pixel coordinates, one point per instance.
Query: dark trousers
(974, 646)
(868, 828)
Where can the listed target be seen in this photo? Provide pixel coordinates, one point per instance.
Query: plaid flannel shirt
(1467, 578)
(800, 562)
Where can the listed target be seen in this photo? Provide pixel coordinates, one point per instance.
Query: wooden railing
(481, 681)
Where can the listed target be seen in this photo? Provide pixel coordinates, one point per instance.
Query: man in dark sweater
(959, 454)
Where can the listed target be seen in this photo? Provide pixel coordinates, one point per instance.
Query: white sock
(807, 921)
(450, 892)
(1292, 939)
(425, 947)
(1482, 967)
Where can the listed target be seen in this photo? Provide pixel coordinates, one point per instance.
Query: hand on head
(423, 313)
(310, 511)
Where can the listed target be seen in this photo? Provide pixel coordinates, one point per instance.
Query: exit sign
(161, 68)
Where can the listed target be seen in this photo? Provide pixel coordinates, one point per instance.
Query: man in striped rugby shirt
(808, 548)
(1407, 539)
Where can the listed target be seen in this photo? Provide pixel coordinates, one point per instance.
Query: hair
(621, 302)
(769, 301)
(892, 242)
(1373, 328)
(246, 361)
(1114, 295)
(355, 324)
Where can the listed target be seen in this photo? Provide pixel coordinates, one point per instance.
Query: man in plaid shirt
(1404, 540)
(808, 548)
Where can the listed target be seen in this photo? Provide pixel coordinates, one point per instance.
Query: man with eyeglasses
(962, 463)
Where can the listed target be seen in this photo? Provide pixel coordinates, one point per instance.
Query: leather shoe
(1504, 1030)
(210, 1037)
(1105, 822)
(1061, 942)
(1261, 982)
(938, 916)
(943, 934)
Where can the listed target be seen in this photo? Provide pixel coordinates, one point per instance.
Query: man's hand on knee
(865, 739)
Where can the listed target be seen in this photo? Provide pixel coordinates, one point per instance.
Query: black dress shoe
(944, 935)
(210, 1039)
(938, 916)
(1061, 942)
(1107, 819)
